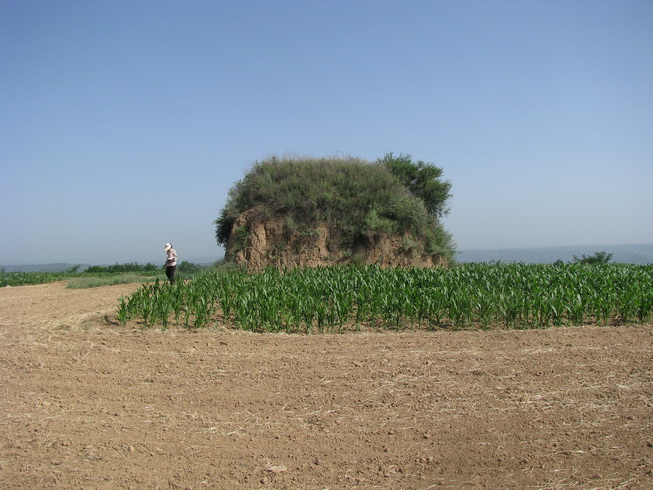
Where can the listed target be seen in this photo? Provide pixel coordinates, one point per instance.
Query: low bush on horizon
(133, 267)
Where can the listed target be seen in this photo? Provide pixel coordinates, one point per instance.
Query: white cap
(167, 246)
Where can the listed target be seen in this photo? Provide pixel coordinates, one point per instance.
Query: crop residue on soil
(89, 404)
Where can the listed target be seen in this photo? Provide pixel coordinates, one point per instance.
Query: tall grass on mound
(334, 299)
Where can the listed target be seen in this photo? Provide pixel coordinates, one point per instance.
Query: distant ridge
(62, 266)
(56, 267)
(626, 254)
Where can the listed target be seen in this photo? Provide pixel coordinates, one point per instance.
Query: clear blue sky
(123, 124)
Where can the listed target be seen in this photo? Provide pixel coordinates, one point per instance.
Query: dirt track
(89, 404)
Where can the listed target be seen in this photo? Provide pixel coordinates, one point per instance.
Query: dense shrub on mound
(349, 195)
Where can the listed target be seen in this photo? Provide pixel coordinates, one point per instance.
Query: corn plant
(334, 299)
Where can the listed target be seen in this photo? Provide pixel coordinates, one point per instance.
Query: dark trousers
(170, 273)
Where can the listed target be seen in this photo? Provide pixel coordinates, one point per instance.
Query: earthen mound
(258, 241)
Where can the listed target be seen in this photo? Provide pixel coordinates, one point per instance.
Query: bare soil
(87, 403)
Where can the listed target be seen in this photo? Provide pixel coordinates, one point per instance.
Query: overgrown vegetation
(331, 299)
(423, 180)
(355, 197)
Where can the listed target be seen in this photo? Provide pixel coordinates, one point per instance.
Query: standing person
(171, 262)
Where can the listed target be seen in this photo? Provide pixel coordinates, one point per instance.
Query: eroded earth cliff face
(257, 241)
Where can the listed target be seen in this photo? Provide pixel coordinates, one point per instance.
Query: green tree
(422, 180)
(597, 258)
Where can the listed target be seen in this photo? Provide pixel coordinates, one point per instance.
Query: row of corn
(341, 298)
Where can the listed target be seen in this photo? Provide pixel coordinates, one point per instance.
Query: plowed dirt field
(87, 403)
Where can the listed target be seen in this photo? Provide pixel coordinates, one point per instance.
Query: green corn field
(13, 279)
(344, 298)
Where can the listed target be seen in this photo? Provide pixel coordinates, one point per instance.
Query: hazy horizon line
(207, 260)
